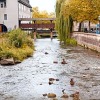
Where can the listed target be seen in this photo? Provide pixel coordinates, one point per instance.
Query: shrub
(71, 42)
(5, 54)
(32, 35)
(16, 44)
(17, 38)
(38, 36)
(0, 49)
(29, 42)
(21, 53)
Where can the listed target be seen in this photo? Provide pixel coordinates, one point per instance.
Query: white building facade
(12, 10)
(84, 26)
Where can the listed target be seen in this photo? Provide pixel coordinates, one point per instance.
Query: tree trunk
(71, 26)
(89, 27)
(80, 24)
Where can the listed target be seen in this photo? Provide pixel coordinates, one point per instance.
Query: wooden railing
(35, 26)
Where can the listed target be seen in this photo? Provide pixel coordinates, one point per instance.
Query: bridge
(32, 24)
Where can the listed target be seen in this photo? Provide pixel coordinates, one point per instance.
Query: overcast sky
(48, 5)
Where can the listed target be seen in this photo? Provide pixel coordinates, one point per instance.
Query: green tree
(63, 24)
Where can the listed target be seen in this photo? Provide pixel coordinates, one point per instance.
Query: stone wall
(88, 40)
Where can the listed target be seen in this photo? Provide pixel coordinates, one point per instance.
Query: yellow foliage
(8, 51)
(81, 10)
(21, 53)
(41, 14)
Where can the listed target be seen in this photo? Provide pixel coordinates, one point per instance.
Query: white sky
(48, 5)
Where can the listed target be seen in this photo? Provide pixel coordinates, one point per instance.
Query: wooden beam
(37, 19)
(35, 26)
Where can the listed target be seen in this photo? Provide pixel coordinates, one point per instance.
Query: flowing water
(29, 79)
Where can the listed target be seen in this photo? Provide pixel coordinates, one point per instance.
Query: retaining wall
(88, 40)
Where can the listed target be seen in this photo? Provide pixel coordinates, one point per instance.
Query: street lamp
(99, 24)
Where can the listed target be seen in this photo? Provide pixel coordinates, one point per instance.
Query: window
(1, 5)
(24, 8)
(5, 16)
(19, 6)
(4, 4)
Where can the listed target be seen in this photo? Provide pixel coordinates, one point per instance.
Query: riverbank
(88, 40)
(15, 47)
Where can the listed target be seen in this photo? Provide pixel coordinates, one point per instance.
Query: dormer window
(1, 5)
(4, 4)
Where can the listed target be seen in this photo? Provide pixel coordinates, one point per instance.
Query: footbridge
(39, 25)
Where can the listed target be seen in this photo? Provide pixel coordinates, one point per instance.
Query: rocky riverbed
(43, 74)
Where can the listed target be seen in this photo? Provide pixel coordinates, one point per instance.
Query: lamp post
(99, 23)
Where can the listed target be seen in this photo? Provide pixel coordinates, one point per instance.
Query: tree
(63, 24)
(42, 14)
(82, 10)
(35, 13)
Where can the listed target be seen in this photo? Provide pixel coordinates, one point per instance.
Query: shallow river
(29, 80)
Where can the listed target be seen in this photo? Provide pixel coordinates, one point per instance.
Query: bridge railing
(35, 26)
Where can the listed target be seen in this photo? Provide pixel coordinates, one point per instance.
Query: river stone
(64, 96)
(44, 94)
(55, 62)
(51, 79)
(51, 95)
(46, 53)
(17, 61)
(9, 61)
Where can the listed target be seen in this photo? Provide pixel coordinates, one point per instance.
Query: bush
(29, 42)
(17, 38)
(38, 36)
(16, 44)
(5, 55)
(21, 53)
(71, 42)
(32, 35)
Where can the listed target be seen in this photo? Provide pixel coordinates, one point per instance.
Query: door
(0, 28)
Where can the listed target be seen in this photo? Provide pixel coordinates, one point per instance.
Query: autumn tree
(42, 14)
(82, 10)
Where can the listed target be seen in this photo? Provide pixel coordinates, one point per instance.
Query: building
(11, 11)
(84, 26)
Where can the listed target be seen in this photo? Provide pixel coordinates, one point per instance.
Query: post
(34, 34)
(51, 21)
(99, 24)
(51, 34)
(34, 31)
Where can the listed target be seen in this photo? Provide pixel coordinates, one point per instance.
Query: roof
(25, 2)
(2, 0)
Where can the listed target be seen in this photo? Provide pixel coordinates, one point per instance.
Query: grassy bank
(16, 44)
